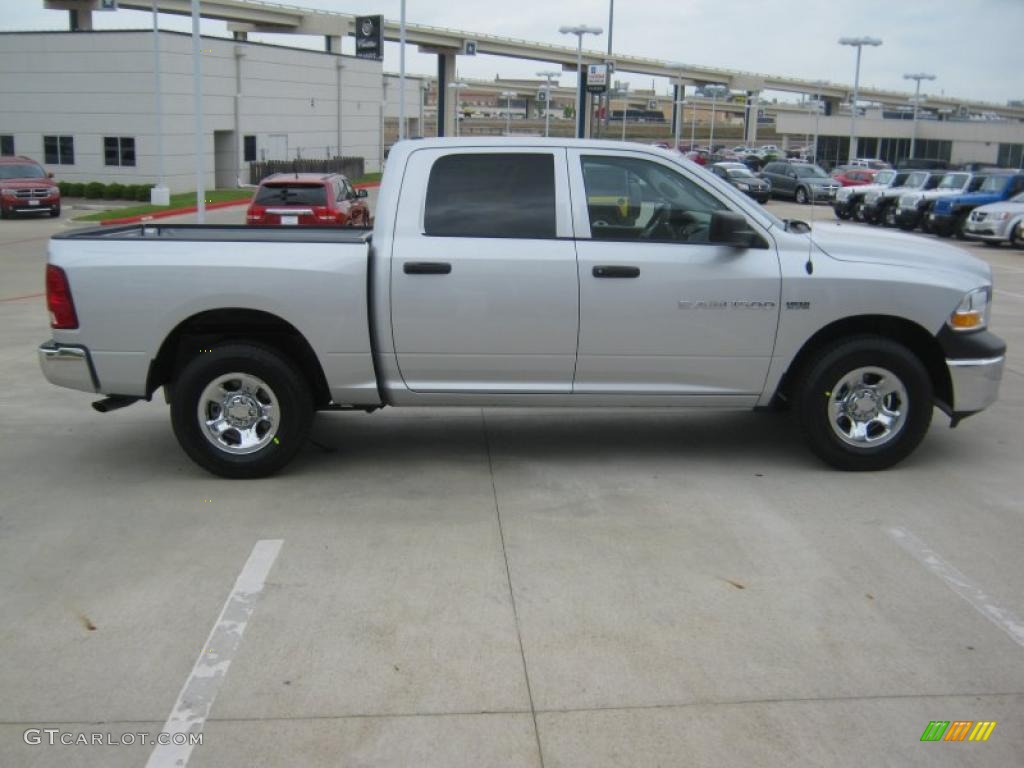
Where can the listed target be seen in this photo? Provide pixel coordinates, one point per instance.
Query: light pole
(160, 194)
(197, 106)
(918, 77)
(679, 104)
(817, 118)
(716, 91)
(608, 90)
(401, 72)
(456, 86)
(858, 43)
(548, 76)
(507, 96)
(580, 30)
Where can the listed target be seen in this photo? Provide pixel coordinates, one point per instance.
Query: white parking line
(960, 584)
(190, 711)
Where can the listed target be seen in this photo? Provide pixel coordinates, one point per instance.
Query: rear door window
(491, 195)
(284, 193)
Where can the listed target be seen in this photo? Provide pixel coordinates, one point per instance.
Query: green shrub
(142, 192)
(113, 191)
(63, 187)
(74, 189)
(94, 190)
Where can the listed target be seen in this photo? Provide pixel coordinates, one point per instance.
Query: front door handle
(615, 271)
(427, 268)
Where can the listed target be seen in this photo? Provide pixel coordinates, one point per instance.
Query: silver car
(996, 223)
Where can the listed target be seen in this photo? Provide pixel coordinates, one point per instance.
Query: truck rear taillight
(58, 299)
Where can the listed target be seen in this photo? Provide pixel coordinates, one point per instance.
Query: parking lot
(489, 587)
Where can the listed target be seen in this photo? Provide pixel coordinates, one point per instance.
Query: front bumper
(940, 223)
(991, 230)
(975, 383)
(68, 366)
(31, 205)
(908, 217)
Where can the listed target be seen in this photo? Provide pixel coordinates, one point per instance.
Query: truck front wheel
(241, 410)
(864, 404)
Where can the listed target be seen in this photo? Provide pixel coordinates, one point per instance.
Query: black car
(741, 177)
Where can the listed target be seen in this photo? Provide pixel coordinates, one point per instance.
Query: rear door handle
(427, 268)
(615, 271)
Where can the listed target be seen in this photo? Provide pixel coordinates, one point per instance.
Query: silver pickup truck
(526, 272)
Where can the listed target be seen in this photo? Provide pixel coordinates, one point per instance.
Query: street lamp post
(918, 77)
(456, 86)
(507, 95)
(858, 43)
(679, 104)
(817, 119)
(401, 72)
(580, 30)
(716, 91)
(548, 76)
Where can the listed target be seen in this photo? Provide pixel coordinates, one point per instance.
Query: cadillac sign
(370, 37)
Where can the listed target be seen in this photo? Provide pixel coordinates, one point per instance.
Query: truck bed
(220, 232)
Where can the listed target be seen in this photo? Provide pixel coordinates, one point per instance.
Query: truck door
(662, 310)
(484, 288)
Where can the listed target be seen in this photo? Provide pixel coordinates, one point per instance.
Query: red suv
(308, 200)
(26, 188)
(854, 177)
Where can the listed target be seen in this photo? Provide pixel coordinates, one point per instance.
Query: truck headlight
(972, 314)
(744, 187)
(1001, 216)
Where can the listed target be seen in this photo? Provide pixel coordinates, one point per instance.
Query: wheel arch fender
(913, 336)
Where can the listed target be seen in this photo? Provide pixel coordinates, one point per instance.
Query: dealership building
(84, 104)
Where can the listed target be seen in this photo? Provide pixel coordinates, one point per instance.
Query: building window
(463, 199)
(6, 144)
(249, 148)
(1011, 156)
(118, 150)
(59, 150)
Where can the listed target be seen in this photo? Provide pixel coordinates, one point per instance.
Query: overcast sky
(973, 46)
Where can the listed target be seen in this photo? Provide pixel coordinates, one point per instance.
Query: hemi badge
(798, 305)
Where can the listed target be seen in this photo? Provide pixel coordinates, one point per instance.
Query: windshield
(993, 184)
(291, 194)
(810, 172)
(884, 177)
(916, 180)
(953, 180)
(738, 173)
(21, 171)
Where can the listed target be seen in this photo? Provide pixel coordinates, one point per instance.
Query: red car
(26, 188)
(854, 177)
(308, 200)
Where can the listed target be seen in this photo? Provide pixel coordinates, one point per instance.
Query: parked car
(485, 280)
(998, 223)
(744, 180)
(913, 207)
(25, 187)
(849, 202)
(869, 162)
(699, 156)
(851, 176)
(949, 214)
(803, 182)
(308, 200)
(880, 204)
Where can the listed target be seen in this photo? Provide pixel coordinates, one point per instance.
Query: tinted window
(59, 150)
(648, 202)
(291, 194)
(491, 195)
(118, 150)
(6, 145)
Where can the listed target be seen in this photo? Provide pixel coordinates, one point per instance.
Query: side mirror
(49, 174)
(729, 228)
(362, 193)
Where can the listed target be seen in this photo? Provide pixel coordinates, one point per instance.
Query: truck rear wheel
(241, 410)
(864, 404)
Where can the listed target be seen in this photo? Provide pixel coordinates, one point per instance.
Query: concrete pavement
(459, 587)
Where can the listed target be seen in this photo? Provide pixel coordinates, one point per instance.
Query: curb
(192, 209)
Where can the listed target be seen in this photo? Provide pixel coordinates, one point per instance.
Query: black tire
(55, 212)
(889, 216)
(286, 385)
(859, 213)
(1017, 236)
(4, 214)
(816, 400)
(959, 227)
(801, 196)
(842, 213)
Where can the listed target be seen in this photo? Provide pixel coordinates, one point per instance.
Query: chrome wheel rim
(801, 196)
(868, 407)
(238, 413)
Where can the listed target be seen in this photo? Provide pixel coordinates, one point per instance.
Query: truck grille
(978, 216)
(38, 192)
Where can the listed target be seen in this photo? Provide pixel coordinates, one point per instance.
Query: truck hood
(29, 182)
(973, 199)
(881, 246)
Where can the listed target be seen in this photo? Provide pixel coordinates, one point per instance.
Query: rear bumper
(68, 366)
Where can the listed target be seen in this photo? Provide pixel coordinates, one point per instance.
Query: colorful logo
(958, 730)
